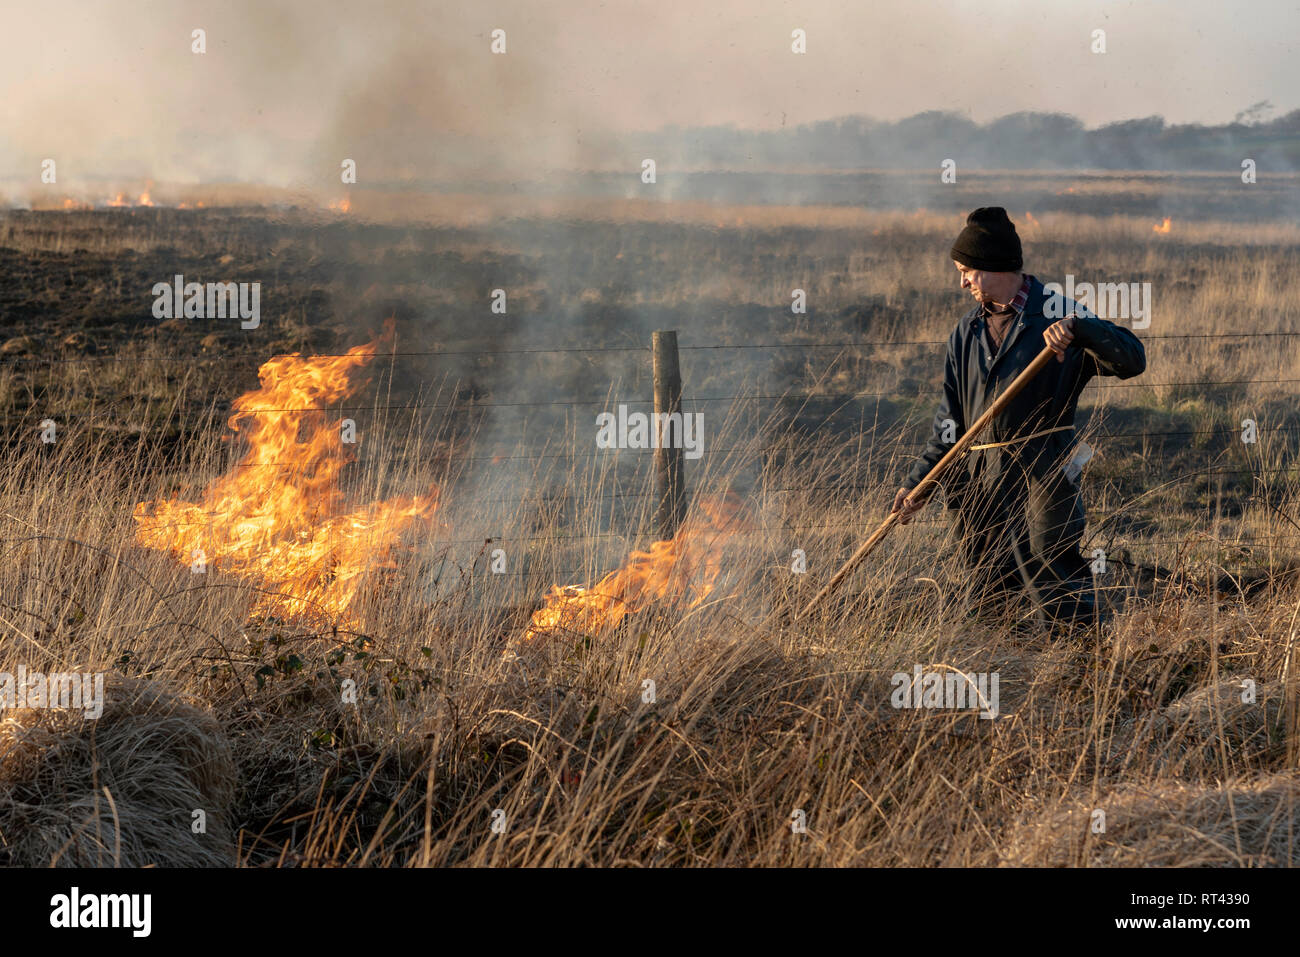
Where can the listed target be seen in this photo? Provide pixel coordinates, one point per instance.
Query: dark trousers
(1026, 536)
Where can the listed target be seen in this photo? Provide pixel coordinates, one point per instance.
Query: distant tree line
(1017, 141)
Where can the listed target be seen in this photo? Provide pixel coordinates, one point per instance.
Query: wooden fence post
(670, 497)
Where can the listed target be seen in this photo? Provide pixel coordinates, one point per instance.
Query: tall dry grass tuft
(120, 789)
(1168, 824)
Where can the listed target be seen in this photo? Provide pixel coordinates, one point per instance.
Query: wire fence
(599, 350)
(469, 406)
(795, 432)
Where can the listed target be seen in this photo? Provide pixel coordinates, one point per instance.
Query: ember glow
(278, 519)
(686, 566)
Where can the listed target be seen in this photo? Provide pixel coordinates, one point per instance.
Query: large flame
(683, 566)
(278, 520)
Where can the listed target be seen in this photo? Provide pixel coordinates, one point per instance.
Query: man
(1017, 515)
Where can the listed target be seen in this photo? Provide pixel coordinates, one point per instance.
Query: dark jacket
(973, 379)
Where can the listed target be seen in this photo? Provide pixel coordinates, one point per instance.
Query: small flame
(1029, 218)
(343, 205)
(670, 569)
(71, 203)
(122, 201)
(1163, 228)
(278, 519)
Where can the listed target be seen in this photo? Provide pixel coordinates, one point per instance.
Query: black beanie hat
(989, 242)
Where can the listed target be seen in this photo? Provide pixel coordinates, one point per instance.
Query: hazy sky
(287, 88)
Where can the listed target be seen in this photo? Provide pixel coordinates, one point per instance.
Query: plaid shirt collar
(1017, 304)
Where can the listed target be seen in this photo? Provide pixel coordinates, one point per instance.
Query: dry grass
(755, 717)
(1169, 824)
(117, 790)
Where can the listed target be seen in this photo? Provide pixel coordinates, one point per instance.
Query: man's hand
(906, 506)
(1059, 335)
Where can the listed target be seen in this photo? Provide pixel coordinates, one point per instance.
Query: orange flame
(670, 569)
(343, 205)
(1029, 218)
(278, 519)
(1163, 228)
(122, 201)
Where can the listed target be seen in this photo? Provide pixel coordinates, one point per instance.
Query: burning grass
(685, 565)
(278, 518)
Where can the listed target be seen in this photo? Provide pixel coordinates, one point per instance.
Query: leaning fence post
(670, 497)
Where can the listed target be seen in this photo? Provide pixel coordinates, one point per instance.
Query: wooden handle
(931, 477)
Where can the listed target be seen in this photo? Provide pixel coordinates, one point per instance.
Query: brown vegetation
(753, 717)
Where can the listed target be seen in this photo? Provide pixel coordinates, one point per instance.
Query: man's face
(977, 281)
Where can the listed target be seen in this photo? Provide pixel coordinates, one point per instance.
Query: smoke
(287, 89)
